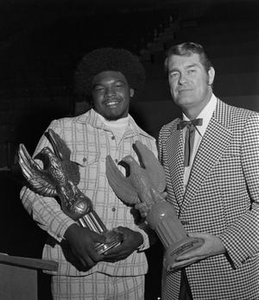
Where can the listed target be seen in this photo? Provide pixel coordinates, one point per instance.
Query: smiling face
(111, 95)
(190, 84)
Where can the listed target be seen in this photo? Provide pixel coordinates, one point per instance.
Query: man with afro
(108, 78)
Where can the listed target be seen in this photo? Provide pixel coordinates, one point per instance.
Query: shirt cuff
(144, 228)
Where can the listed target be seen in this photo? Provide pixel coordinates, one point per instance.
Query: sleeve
(149, 237)
(160, 157)
(241, 239)
(46, 211)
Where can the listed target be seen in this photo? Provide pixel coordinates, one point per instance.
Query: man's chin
(183, 100)
(113, 117)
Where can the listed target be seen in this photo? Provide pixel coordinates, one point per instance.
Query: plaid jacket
(90, 142)
(221, 198)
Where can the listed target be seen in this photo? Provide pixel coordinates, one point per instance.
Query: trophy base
(172, 252)
(113, 240)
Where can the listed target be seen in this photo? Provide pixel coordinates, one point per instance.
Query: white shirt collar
(205, 114)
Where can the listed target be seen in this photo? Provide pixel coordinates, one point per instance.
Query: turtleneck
(117, 127)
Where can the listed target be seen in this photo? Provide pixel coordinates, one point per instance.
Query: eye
(191, 71)
(119, 85)
(98, 88)
(173, 75)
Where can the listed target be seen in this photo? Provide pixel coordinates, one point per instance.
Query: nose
(110, 91)
(182, 79)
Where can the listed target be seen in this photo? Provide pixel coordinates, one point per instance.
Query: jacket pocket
(89, 170)
(85, 159)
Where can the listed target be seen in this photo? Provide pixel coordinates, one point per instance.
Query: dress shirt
(206, 115)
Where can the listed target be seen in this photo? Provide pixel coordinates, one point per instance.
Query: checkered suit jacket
(221, 198)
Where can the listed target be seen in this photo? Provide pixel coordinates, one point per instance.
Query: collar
(92, 118)
(205, 114)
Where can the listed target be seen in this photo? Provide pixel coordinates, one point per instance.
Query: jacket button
(113, 209)
(185, 222)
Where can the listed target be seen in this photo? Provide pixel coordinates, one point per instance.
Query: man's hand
(131, 240)
(82, 241)
(212, 246)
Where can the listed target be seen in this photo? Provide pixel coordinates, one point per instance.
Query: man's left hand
(212, 246)
(131, 240)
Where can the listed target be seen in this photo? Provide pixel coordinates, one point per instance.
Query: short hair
(187, 49)
(108, 59)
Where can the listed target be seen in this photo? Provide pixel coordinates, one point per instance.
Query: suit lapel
(175, 161)
(214, 143)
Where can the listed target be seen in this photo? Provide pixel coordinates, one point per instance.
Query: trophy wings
(145, 176)
(39, 179)
(57, 167)
(63, 153)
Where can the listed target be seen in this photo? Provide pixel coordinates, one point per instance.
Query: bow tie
(195, 122)
(189, 137)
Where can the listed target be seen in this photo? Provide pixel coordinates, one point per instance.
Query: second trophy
(146, 183)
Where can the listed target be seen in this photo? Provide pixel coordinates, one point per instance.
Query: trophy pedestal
(162, 218)
(92, 221)
(179, 248)
(113, 240)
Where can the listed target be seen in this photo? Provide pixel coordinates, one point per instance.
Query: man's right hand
(82, 241)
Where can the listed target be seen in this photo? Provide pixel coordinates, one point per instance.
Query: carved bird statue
(146, 181)
(58, 177)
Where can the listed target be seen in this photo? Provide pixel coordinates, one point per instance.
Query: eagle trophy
(59, 177)
(146, 183)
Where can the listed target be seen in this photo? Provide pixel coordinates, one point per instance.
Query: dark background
(41, 43)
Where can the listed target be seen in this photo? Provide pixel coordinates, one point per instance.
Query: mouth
(184, 90)
(112, 103)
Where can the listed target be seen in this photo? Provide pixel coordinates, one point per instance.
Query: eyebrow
(193, 65)
(95, 85)
(187, 67)
(116, 81)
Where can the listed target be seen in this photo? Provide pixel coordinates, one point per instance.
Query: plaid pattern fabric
(89, 143)
(98, 286)
(221, 198)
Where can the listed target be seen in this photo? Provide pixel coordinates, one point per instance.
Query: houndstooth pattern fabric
(221, 198)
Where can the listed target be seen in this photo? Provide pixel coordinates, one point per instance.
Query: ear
(131, 92)
(211, 76)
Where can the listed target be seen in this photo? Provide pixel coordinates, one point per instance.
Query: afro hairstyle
(108, 59)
